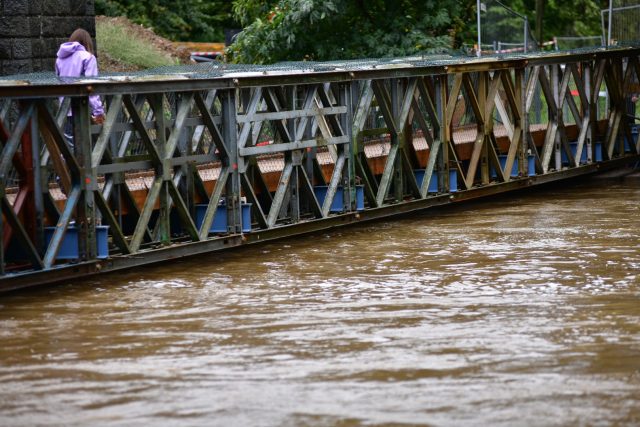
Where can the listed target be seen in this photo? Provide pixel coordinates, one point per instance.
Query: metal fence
(502, 30)
(621, 26)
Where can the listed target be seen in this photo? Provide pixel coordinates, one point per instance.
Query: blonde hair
(82, 36)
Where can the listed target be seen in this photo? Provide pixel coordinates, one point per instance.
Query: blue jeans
(68, 132)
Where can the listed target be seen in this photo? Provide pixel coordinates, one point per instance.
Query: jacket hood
(69, 48)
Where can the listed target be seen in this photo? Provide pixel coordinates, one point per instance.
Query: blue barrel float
(502, 158)
(220, 221)
(69, 247)
(338, 200)
(634, 135)
(433, 184)
(583, 158)
(598, 152)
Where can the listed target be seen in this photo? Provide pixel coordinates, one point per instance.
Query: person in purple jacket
(76, 58)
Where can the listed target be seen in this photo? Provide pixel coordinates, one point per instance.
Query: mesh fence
(502, 30)
(576, 42)
(623, 26)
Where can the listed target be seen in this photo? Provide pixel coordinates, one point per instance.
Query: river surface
(520, 311)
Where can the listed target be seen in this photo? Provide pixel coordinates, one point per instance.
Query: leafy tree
(563, 17)
(277, 30)
(559, 18)
(500, 24)
(571, 17)
(187, 20)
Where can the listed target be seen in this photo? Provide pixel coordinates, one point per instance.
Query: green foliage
(560, 18)
(572, 17)
(188, 20)
(277, 30)
(247, 11)
(117, 44)
(565, 17)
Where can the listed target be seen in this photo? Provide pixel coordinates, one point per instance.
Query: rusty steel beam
(187, 166)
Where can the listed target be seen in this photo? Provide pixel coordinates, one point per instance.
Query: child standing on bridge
(76, 58)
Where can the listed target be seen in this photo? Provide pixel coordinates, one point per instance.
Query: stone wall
(32, 30)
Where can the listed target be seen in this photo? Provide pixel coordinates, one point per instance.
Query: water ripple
(523, 311)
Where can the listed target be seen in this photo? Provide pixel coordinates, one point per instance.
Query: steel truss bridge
(205, 158)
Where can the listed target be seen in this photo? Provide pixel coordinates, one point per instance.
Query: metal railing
(183, 166)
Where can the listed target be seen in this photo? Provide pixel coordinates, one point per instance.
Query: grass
(114, 40)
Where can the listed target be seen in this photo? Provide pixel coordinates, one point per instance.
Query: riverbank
(123, 46)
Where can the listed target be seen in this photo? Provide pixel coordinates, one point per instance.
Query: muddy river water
(520, 311)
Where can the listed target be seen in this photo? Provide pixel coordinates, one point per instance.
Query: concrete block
(13, 26)
(5, 49)
(37, 48)
(43, 64)
(69, 24)
(35, 7)
(55, 7)
(17, 66)
(21, 48)
(77, 7)
(36, 64)
(48, 63)
(50, 46)
(15, 7)
(89, 24)
(35, 26)
(59, 26)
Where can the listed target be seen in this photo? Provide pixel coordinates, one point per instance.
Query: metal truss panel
(181, 167)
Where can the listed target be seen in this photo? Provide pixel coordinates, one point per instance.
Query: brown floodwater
(520, 311)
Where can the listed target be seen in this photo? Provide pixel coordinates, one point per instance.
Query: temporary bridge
(206, 157)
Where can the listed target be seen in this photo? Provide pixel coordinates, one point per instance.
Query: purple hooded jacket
(74, 61)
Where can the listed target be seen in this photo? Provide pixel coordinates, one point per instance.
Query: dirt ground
(108, 64)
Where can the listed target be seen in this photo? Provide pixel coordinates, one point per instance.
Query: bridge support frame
(186, 167)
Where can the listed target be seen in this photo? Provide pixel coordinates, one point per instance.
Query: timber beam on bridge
(197, 159)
